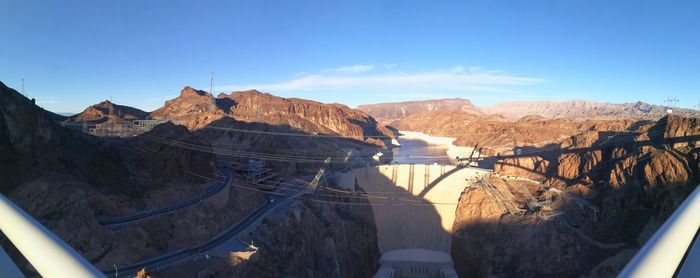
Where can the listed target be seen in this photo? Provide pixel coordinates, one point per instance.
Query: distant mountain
(387, 112)
(106, 110)
(583, 109)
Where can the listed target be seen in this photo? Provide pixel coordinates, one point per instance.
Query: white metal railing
(47, 253)
(663, 253)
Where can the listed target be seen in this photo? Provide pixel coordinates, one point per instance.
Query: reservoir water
(420, 152)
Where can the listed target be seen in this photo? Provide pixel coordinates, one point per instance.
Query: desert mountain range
(576, 109)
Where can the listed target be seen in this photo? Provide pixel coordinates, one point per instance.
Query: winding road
(182, 204)
(231, 232)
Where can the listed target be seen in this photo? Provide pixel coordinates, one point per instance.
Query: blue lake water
(420, 152)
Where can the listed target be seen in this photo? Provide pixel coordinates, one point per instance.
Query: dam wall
(413, 204)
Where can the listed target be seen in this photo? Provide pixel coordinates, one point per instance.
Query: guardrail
(47, 253)
(664, 253)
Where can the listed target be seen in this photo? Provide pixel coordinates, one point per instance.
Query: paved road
(223, 172)
(193, 251)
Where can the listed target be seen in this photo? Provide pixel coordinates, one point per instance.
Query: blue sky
(76, 53)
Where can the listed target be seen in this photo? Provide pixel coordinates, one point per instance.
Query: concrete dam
(414, 209)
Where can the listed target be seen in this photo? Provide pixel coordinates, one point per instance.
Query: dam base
(414, 209)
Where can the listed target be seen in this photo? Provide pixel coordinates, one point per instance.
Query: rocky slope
(387, 112)
(600, 203)
(312, 239)
(583, 109)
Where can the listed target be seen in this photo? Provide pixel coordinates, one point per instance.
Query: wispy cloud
(369, 77)
(351, 69)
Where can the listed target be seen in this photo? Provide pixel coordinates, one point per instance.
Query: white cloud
(362, 77)
(351, 69)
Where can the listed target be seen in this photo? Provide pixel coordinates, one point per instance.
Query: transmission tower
(671, 103)
(211, 83)
(211, 91)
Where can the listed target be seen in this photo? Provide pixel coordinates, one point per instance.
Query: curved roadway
(222, 237)
(148, 213)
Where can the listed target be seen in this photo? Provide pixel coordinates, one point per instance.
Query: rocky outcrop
(192, 108)
(388, 112)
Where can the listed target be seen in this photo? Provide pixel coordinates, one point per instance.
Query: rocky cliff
(307, 116)
(196, 109)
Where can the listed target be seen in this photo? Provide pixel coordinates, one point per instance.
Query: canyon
(557, 194)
